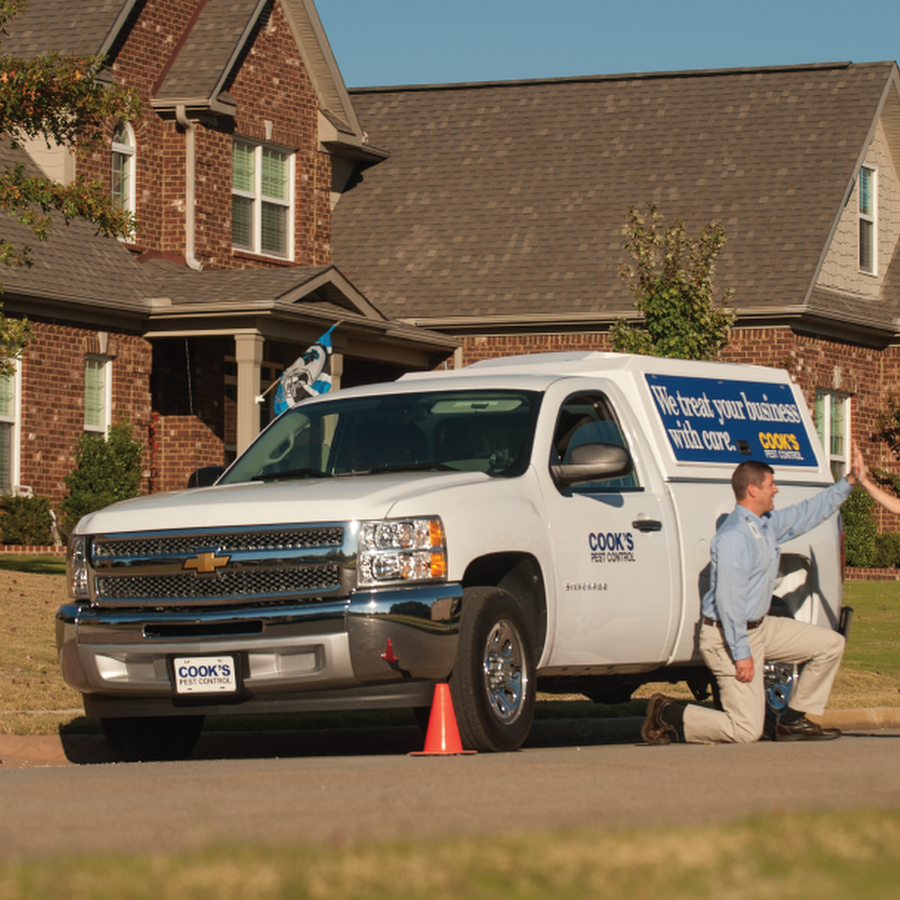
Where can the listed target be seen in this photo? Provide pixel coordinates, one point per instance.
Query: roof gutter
(190, 154)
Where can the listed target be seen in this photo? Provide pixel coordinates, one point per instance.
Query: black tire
(153, 738)
(493, 685)
(423, 718)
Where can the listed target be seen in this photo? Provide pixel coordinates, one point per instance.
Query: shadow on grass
(35, 565)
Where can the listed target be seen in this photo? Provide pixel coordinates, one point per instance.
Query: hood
(340, 499)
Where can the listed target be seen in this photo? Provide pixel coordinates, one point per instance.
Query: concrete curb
(29, 751)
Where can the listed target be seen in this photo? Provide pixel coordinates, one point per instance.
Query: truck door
(611, 542)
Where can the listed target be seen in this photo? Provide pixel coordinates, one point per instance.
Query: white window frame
(104, 364)
(832, 406)
(12, 416)
(127, 153)
(259, 201)
(868, 220)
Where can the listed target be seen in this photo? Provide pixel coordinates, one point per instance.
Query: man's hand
(744, 670)
(857, 473)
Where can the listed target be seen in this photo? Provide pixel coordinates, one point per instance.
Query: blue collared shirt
(744, 556)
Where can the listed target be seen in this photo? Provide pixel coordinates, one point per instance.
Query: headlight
(76, 568)
(401, 550)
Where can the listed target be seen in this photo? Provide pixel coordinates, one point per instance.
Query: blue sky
(392, 42)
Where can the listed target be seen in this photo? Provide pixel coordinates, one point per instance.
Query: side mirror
(205, 477)
(593, 462)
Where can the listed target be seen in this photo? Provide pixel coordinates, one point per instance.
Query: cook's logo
(205, 563)
(611, 547)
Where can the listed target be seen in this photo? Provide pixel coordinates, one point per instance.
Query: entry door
(611, 543)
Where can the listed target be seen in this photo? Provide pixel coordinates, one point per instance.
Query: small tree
(671, 281)
(860, 529)
(105, 472)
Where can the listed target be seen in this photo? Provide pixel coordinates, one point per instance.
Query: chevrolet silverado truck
(525, 523)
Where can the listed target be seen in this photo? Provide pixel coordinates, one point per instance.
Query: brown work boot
(804, 730)
(654, 730)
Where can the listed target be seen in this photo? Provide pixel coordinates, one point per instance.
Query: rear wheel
(153, 738)
(493, 684)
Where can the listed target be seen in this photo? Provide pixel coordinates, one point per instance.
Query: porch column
(248, 350)
(337, 369)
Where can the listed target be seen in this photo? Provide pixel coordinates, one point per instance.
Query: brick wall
(53, 399)
(185, 444)
(491, 346)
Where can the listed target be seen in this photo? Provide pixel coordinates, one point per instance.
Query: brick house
(247, 139)
(468, 220)
(497, 218)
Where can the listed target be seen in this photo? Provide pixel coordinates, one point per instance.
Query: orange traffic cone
(443, 734)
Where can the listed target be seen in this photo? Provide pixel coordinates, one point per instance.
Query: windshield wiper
(291, 473)
(408, 467)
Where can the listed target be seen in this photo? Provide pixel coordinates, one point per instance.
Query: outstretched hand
(857, 473)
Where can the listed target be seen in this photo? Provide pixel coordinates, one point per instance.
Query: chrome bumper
(385, 647)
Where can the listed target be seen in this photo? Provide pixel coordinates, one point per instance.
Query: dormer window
(868, 231)
(262, 200)
(122, 185)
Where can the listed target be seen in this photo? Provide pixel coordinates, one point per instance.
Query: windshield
(470, 431)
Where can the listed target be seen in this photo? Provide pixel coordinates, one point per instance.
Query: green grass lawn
(870, 673)
(828, 855)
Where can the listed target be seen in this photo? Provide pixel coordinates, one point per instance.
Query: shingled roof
(80, 27)
(504, 202)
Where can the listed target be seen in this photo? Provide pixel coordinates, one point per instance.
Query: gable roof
(504, 202)
(196, 73)
(202, 59)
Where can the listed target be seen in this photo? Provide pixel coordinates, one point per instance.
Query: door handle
(647, 524)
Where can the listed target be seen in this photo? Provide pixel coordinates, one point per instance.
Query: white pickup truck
(524, 523)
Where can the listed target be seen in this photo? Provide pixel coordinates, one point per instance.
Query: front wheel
(493, 685)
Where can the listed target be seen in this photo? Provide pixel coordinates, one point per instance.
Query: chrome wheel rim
(505, 677)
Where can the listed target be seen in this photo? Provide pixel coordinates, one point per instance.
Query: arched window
(122, 186)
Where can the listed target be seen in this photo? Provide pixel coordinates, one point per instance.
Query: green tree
(670, 277)
(105, 472)
(63, 100)
(888, 432)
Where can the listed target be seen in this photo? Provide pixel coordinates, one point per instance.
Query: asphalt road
(366, 786)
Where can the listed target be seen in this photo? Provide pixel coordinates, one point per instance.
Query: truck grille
(225, 586)
(232, 566)
(234, 542)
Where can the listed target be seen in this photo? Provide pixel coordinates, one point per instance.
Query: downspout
(189, 188)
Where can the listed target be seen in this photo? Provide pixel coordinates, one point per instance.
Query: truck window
(473, 431)
(589, 419)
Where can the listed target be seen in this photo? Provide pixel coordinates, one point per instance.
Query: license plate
(205, 675)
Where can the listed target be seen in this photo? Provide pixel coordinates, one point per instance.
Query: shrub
(105, 472)
(887, 550)
(26, 520)
(860, 530)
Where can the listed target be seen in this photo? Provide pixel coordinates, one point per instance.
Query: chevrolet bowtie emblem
(205, 563)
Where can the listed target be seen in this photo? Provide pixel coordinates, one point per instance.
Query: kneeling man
(737, 636)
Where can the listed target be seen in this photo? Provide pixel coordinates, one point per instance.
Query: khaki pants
(777, 639)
